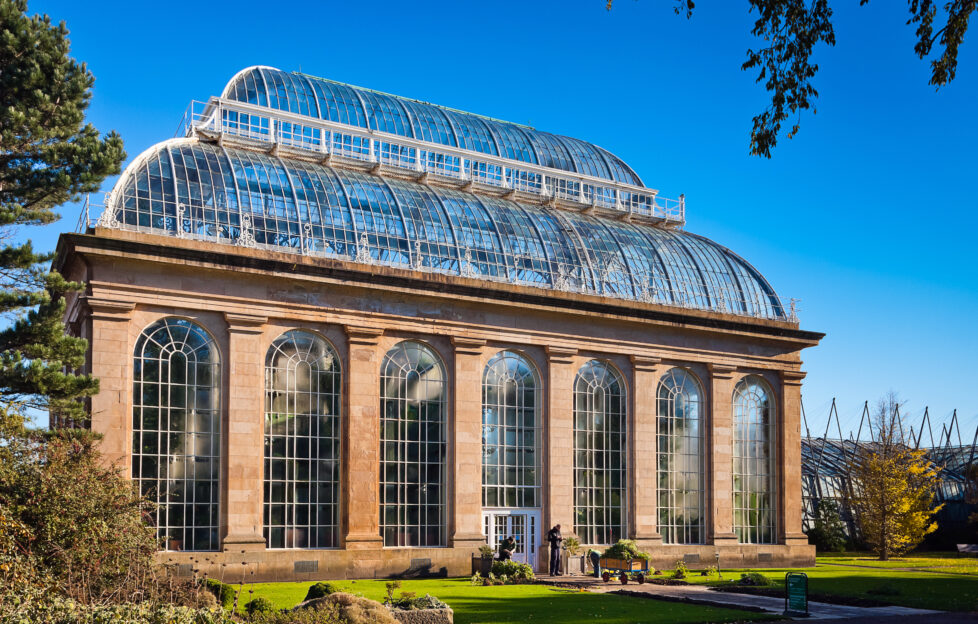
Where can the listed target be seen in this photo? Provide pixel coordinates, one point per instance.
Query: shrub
(339, 608)
(681, 570)
(259, 605)
(513, 570)
(83, 520)
(55, 609)
(222, 591)
(754, 579)
(408, 601)
(625, 549)
(486, 551)
(319, 590)
(828, 532)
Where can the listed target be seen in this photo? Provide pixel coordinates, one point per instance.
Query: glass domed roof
(356, 106)
(188, 188)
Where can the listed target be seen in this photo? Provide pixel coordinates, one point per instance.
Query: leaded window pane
(680, 458)
(413, 447)
(176, 431)
(302, 442)
(510, 432)
(599, 454)
(753, 462)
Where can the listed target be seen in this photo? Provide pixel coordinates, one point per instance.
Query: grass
(520, 604)
(933, 581)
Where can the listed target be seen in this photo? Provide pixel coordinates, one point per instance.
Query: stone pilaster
(466, 450)
(642, 479)
(720, 445)
(111, 364)
(244, 441)
(789, 456)
(361, 441)
(560, 440)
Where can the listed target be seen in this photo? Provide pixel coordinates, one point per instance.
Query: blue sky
(868, 216)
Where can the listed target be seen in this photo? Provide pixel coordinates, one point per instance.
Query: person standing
(555, 539)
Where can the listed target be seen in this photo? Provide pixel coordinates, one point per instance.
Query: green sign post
(796, 593)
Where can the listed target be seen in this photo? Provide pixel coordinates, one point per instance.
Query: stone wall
(246, 298)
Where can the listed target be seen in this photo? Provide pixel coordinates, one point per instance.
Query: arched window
(510, 432)
(176, 431)
(753, 462)
(302, 442)
(680, 458)
(599, 454)
(412, 447)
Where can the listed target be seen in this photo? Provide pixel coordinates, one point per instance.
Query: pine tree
(47, 158)
(893, 487)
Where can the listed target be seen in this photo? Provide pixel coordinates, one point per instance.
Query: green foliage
(625, 549)
(339, 608)
(754, 579)
(791, 29)
(514, 571)
(54, 609)
(681, 571)
(223, 592)
(70, 518)
(259, 605)
(409, 601)
(486, 552)
(318, 590)
(573, 545)
(828, 531)
(391, 587)
(47, 158)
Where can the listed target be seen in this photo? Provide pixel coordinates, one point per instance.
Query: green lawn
(520, 604)
(936, 581)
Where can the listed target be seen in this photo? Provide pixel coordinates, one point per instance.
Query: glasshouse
(346, 334)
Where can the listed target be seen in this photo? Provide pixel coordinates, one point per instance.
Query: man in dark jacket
(555, 539)
(506, 548)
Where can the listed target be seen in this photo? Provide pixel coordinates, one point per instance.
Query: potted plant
(625, 556)
(174, 543)
(575, 557)
(482, 563)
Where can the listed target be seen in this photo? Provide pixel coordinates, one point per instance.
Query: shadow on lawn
(881, 586)
(571, 607)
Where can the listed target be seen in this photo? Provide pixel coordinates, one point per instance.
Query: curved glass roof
(356, 106)
(186, 188)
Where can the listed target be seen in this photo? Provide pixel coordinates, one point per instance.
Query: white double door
(522, 524)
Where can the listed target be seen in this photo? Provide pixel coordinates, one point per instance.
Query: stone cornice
(110, 310)
(645, 364)
(154, 248)
(560, 355)
(468, 346)
(245, 323)
(721, 371)
(367, 336)
(792, 378)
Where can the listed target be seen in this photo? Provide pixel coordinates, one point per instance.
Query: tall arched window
(753, 462)
(680, 458)
(176, 431)
(599, 454)
(412, 447)
(302, 442)
(510, 433)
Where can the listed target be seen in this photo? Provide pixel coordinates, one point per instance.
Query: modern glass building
(343, 333)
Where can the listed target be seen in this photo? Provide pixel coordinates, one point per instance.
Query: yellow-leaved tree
(893, 486)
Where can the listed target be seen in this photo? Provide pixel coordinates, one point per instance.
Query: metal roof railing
(333, 143)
